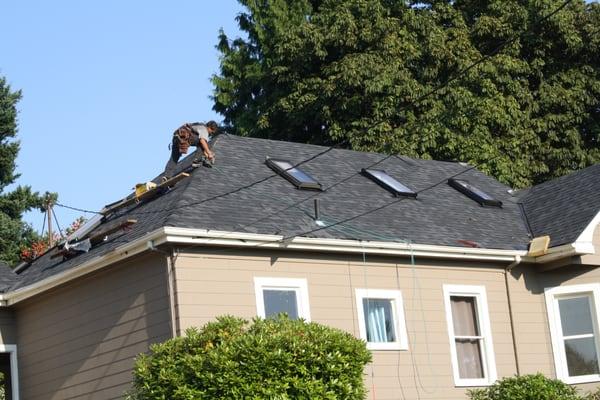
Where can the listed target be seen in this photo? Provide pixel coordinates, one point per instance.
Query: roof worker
(193, 134)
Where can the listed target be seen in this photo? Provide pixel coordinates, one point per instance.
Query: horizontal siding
(80, 341)
(7, 326)
(209, 285)
(532, 331)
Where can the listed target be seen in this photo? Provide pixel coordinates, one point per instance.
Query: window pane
(582, 358)
(295, 172)
(280, 301)
(575, 316)
(6, 370)
(468, 352)
(464, 315)
(379, 320)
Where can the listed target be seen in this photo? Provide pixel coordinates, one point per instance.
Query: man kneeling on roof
(193, 134)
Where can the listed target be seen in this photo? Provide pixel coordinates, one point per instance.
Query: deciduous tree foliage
(14, 232)
(357, 73)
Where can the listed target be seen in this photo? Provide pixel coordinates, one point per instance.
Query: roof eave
(204, 237)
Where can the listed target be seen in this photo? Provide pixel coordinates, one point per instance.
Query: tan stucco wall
(212, 284)
(79, 341)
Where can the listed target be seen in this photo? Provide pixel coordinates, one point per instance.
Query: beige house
(428, 262)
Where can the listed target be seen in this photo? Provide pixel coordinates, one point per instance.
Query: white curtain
(379, 320)
(468, 349)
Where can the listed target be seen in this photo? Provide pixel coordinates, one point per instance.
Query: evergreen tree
(366, 74)
(14, 232)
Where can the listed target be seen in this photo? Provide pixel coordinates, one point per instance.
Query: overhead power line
(439, 87)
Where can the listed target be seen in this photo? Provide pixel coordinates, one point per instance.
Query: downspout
(172, 295)
(510, 311)
(171, 285)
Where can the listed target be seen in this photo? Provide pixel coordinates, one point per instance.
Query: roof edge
(586, 237)
(204, 237)
(240, 239)
(138, 246)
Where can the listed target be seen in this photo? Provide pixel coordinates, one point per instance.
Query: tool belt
(183, 137)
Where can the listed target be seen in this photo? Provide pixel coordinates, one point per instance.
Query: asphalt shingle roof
(212, 199)
(563, 207)
(7, 277)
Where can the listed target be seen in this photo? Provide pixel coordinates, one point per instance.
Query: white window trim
(14, 370)
(397, 311)
(488, 357)
(560, 360)
(298, 285)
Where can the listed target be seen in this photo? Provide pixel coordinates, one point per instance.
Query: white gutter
(87, 267)
(238, 239)
(250, 240)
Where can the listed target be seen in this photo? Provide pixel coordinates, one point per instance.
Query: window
(471, 347)
(299, 178)
(282, 295)
(381, 319)
(474, 193)
(390, 184)
(573, 319)
(8, 366)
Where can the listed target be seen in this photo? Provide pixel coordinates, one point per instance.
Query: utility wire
(236, 190)
(481, 59)
(77, 209)
(414, 102)
(377, 208)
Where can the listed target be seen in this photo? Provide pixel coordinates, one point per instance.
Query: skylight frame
(388, 182)
(291, 172)
(474, 193)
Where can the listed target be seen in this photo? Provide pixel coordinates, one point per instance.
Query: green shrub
(267, 359)
(526, 387)
(593, 395)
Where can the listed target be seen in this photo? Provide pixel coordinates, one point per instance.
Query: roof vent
(474, 193)
(299, 178)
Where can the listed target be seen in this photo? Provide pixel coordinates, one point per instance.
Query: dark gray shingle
(563, 207)
(439, 216)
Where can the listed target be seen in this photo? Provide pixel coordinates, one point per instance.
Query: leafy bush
(526, 387)
(593, 395)
(267, 359)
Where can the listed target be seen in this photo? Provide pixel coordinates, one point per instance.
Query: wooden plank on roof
(96, 237)
(129, 200)
(99, 237)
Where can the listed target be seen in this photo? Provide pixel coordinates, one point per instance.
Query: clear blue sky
(104, 85)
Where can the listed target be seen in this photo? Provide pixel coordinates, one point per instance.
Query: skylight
(474, 193)
(299, 178)
(383, 179)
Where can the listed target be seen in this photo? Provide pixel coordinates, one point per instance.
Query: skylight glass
(299, 178)
(474, 193)
(383, 179)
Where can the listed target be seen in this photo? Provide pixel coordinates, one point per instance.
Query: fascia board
(566, 250)
(245, 240)
(584, 241)
(238, 239)
(89, 266)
